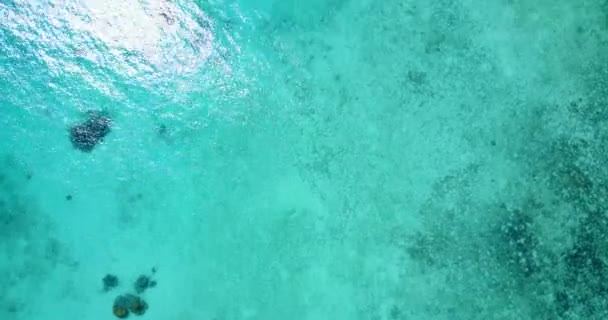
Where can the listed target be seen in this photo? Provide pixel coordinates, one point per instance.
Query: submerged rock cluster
(128, 303)
(110, 281)
(143, 283)
(85, 136)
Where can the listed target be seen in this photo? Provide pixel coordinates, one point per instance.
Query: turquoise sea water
(337, 159)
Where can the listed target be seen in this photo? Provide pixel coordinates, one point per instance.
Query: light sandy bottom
(377, 160)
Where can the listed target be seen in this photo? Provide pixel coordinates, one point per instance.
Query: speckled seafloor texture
(323, 159)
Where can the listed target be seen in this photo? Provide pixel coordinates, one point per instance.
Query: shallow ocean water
(338, 159)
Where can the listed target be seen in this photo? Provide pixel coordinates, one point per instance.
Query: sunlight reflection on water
(133, 39)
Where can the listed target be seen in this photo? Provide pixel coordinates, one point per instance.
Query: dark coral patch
(143, 282)
(110, 281)
(85, 136)
(121, 306)
(136, 304)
